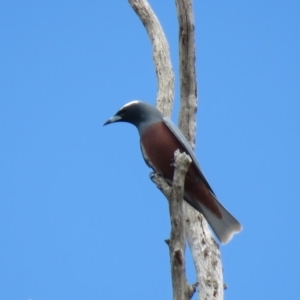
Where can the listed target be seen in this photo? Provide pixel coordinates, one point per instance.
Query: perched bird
(159, 139)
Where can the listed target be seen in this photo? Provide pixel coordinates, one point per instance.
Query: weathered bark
(164, 102)
(205, 251)
(181, 289)
(185, 221)
(161, 55)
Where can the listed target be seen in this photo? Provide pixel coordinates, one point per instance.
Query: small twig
(193, 289)
(161, 184)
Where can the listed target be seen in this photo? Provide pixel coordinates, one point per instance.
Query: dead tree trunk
(186, 223)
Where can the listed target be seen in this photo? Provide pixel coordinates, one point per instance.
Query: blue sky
(79, 217)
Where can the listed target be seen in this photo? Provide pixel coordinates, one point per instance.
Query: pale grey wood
(177, 239)
(161, 55)
(206, 256)
(181, 289)
(165, 96)
(205, 250)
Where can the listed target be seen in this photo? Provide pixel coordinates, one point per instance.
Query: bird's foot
(152, 175)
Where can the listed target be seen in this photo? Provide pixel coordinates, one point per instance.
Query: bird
(159, 139)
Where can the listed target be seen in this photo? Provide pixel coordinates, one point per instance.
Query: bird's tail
(224, 227)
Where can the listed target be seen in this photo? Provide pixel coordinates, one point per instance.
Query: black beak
(113, 120)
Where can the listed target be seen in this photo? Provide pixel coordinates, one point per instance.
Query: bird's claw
(152, 175)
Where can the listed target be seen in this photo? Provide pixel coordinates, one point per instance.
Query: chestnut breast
(159, 145)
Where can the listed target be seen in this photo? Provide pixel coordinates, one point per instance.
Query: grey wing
(188, 148)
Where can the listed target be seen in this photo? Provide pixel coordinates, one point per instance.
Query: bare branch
(177, 242)
(164, 102)
(206, 256)
(188, 84)
(181, 289)
(205, 251)
(161, 55)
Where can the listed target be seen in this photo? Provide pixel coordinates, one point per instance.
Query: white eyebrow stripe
(130, 103)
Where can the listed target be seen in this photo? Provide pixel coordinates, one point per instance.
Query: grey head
(138, 113)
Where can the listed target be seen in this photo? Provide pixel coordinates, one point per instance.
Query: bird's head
(138, 113)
